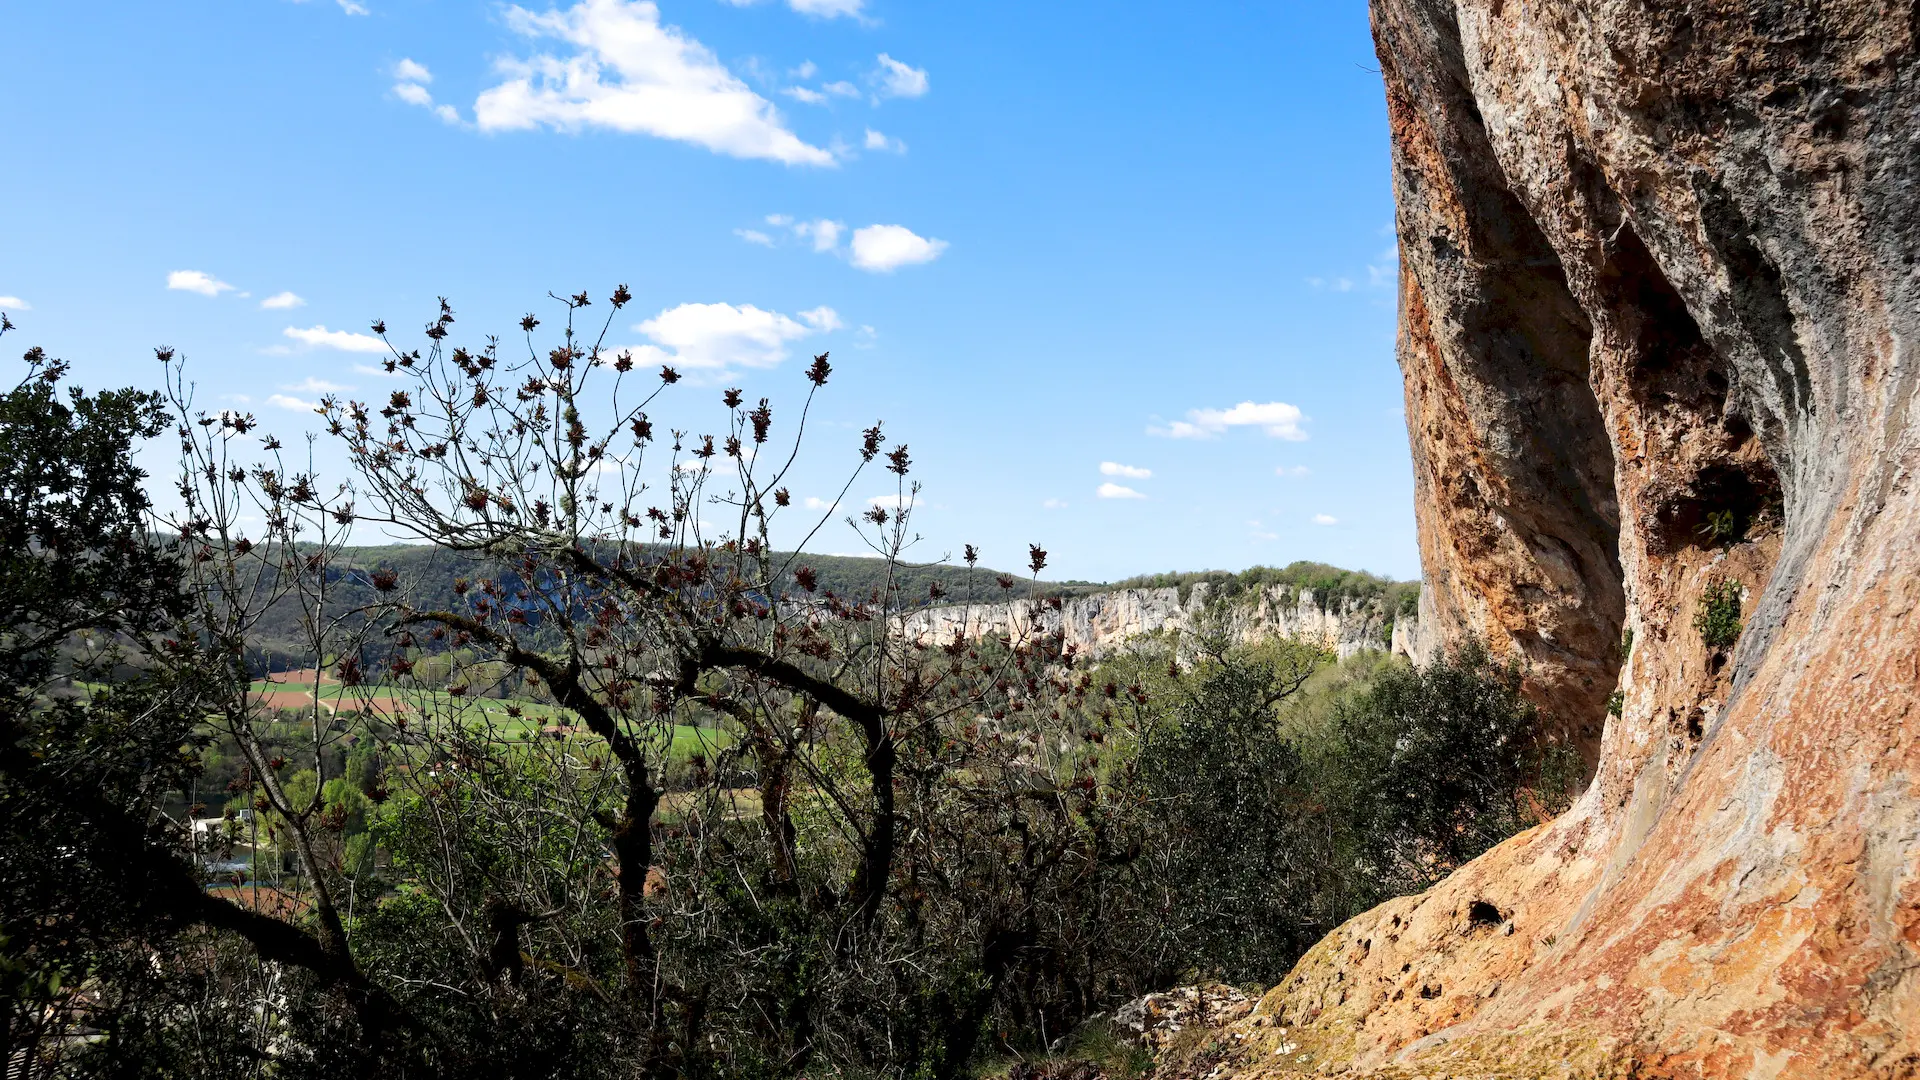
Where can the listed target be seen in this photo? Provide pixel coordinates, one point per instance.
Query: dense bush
(1717, 619)
(1279, 832)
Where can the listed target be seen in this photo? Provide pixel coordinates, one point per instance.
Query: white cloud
(282, 302)
(369, 369)
(15, 303)
(708, 468)
(1114, 468)
(827, 9)
(1291, 470)
(198, 282)
(842, 88)
(820, 9)
(1277, 418)
(806, 70)
(823, 319)
(311, 385)
(754, 236)
(895, 79)
(1055, 504)
(779, 221)
(1115, 491)
(1384, 270)
(294, 403)
(805, 96)
(410, 81)
(877, 141)
(885, 248)
(629, 73)
(1325, 519)
(344, 340)
(353, 7)
(722, 336)
(895, 501)
(812, 503)
(825, 234)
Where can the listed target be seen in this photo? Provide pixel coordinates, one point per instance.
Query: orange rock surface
(1660, 301)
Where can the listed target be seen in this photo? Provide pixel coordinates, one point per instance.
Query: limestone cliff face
(1103, 622)
(1660, 297)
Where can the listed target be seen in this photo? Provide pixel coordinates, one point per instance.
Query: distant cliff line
(1096, 624)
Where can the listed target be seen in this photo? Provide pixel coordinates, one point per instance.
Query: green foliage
(1616, 703)
(1436, 759)
(1722, 527)
(1281, 823)
(92, 888)
(1331, 586)
(1717, 619)
(1251, 862)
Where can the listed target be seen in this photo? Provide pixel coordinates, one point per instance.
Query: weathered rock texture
(1100, 623)
(1659, 308)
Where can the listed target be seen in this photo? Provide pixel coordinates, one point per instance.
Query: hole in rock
(1724, 505)
(1480, 913)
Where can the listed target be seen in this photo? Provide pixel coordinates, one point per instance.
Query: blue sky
(1038, 239)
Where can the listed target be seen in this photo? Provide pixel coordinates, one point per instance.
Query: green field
(491, 713)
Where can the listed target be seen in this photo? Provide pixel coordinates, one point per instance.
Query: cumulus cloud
(876, 248)
(284, 402)
(819, 9)
(877, 141)
(311, 385)
(410, 85)
(1114, 468)
(1116, 491)
(812, 503)
(353, 7)
(805, 96)
(825, 234)
(14, 303)
(1277, 418)
(720, 337)
(828, 9)
(842, 88)
(895, 79)
(1325, 519)
(282, 302)
(344, 340)
(197, 282)
(885, 248)
(629, 73)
